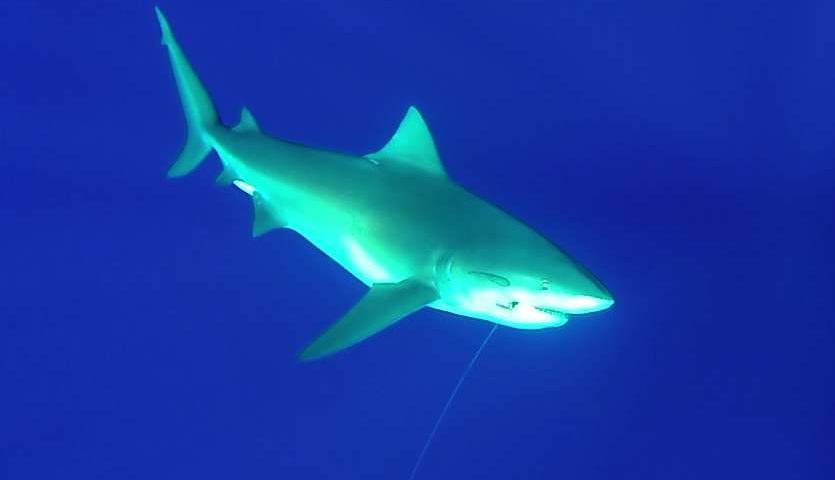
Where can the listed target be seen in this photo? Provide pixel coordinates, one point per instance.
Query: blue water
(683, 151)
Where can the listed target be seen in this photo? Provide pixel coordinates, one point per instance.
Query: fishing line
(449, 402)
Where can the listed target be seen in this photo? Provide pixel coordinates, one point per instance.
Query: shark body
(393, 218)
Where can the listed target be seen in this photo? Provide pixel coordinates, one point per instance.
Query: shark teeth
(549, 311)
(509, 306)
(512, 305)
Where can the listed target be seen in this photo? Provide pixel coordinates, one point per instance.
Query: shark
(393, 218)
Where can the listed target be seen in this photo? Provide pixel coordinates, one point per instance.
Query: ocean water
(683, 151)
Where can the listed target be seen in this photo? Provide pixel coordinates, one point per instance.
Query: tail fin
(199, 109)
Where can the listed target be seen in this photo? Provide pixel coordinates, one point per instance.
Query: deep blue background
(683, 151)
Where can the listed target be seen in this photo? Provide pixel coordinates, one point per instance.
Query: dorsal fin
(247, 123)
(411, 144)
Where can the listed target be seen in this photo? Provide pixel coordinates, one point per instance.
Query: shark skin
(393, 219)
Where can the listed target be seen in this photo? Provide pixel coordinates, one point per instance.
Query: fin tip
(306, 356)
(163, 25)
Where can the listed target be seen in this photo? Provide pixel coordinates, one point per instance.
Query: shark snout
(591, 292)
(579, 304)
(583, 294)
(603, 295)
(598, 298)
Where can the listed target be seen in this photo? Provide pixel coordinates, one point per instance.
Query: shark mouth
(512, 306)
(549, 311)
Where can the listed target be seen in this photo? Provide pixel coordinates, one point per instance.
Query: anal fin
(263, 219)
(226, 177)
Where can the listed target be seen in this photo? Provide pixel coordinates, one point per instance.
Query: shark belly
(378, 224)
(362, 240)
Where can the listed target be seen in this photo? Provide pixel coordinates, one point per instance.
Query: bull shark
(393, 218)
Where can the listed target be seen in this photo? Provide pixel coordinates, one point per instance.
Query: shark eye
(545, 285)
(497, 279)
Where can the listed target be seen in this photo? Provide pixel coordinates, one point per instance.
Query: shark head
(529, 284)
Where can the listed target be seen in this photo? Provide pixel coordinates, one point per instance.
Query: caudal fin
(200, 112)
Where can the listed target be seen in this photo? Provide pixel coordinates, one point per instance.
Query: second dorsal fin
(247, 123)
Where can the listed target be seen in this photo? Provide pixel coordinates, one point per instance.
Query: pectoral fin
(384, 304)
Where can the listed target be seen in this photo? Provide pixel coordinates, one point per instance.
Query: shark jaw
(523, 309)
(534, 315)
